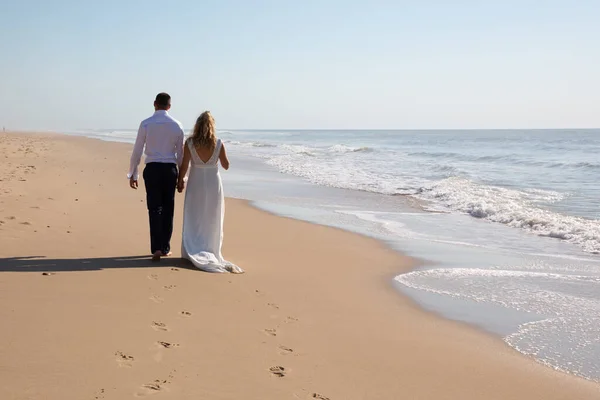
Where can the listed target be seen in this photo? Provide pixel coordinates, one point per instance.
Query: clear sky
(69, 64)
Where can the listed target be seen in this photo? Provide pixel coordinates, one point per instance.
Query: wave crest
(340, 148)
(517, 209)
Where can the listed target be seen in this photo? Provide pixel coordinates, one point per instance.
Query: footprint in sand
(152, 388)
(270, 332)
(167, 345)
(290, 320)
(100, 394)
(278, 371)
(169, 287)
(159, 326)
(273, 305)
(153, 277)
(312, 396)
(175, 269)
(124, 360)
(285, 350)
(186, 313)
(157, 299)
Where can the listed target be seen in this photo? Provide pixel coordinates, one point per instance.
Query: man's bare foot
(157, 255)
(168, 254)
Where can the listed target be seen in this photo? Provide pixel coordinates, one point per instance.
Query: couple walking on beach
(168, 159)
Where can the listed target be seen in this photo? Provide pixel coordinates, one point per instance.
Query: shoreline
(398, 288)
(324, 299)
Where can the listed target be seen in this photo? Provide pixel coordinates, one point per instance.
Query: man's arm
(136, 156)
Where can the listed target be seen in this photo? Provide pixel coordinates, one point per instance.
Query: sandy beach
(85, 314)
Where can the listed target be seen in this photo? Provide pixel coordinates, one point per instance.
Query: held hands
(133, 183)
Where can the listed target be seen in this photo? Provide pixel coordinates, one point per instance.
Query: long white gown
(203, 214)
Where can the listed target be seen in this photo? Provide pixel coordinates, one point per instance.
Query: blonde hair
(203, 134)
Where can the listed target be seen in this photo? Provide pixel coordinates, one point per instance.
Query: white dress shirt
(162, 137)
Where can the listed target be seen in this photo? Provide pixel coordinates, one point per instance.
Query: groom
(161, 136)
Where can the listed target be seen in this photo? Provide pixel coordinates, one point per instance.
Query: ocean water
(508, 222)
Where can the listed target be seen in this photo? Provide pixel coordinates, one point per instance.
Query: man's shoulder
(148, 120)
(162, 120)
(175, 122)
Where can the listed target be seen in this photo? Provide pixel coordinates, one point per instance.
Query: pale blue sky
(68, 64)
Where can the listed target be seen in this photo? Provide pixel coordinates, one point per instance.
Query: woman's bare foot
(167, 254)
(157, 255)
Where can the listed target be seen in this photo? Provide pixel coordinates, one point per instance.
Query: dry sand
(84, 314)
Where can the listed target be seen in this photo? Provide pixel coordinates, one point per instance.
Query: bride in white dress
(204, 201)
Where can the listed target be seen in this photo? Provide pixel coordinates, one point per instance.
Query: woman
(204, 203)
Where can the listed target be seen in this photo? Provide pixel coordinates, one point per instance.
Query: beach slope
(85, 314)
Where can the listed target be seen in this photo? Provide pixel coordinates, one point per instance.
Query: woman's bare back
(205, 153)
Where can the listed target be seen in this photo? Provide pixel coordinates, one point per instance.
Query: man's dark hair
(162, 100)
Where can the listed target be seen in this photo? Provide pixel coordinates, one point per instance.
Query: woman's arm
(184, 168)
(223, 157)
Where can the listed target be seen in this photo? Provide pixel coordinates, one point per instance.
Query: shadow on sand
(42, 264)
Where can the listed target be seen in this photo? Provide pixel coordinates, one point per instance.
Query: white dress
(203, 215)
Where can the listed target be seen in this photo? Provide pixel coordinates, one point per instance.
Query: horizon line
(319, 129)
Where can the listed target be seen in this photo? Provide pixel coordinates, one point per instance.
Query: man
(162, 137)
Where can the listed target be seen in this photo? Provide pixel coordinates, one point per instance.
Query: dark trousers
(160, 180)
